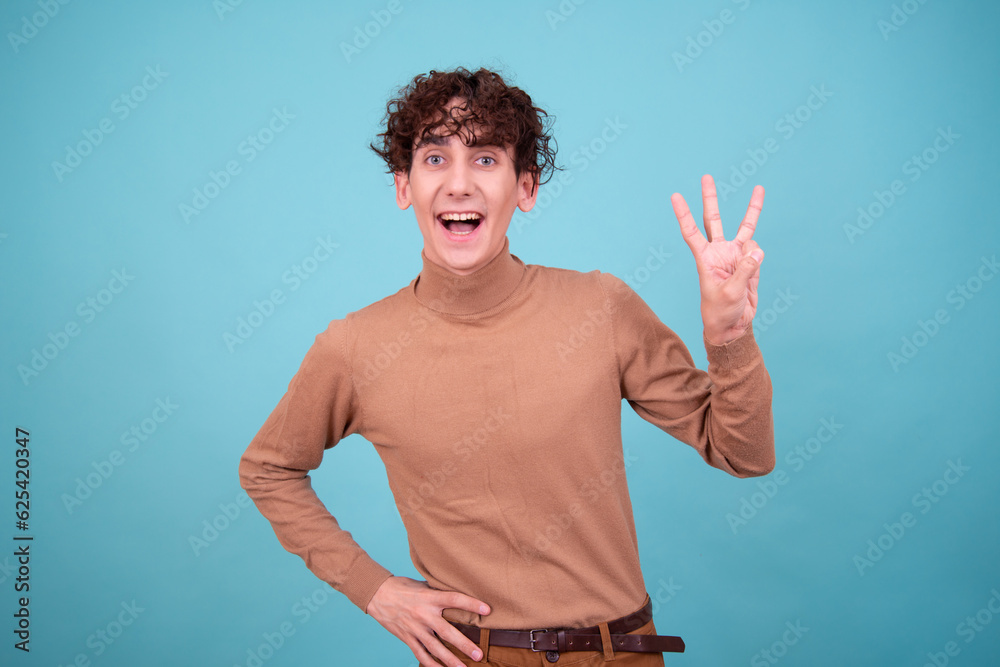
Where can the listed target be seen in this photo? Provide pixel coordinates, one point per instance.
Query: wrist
(374, 599)
(724, 336)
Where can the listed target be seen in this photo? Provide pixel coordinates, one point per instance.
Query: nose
(459, 182)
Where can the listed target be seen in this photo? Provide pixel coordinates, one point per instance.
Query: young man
(497, 415)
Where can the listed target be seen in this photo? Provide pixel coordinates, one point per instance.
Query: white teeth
(460, 216)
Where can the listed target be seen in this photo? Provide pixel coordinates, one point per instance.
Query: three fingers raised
(713, 221)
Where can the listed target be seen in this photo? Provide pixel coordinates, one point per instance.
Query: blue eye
(434, 157)
(491, 162)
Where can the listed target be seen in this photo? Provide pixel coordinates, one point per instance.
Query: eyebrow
(438, 140)
(432, 140)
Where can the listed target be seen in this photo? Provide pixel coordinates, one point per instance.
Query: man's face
(448, 182)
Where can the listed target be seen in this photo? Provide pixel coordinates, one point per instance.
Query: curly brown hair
(502, 115)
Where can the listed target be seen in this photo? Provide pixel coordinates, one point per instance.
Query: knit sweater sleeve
(318, 410)
(724, 413)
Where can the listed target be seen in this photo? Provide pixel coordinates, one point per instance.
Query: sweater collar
(446, 292)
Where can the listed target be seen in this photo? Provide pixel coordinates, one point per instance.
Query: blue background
(836, 302)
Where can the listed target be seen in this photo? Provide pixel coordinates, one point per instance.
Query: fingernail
(483, 609)
(476, 655)
(758, 255)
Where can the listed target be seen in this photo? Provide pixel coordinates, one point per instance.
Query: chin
(464, 262)
(467, 260)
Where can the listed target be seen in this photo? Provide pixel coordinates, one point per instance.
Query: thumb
(748, 266)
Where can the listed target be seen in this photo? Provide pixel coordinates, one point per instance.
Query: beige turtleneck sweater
(494, 401)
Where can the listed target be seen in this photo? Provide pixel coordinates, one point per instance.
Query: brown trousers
(502, 656)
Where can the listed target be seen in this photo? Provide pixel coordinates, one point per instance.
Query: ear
(402, 182)
(527, 190)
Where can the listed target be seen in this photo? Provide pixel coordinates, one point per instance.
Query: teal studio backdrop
(188, 199)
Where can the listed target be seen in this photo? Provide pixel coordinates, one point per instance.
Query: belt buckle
(531, 638)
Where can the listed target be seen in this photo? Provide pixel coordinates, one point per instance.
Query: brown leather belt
(583, 639)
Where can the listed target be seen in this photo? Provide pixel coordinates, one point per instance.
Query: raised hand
(411, 610)
(728, 271)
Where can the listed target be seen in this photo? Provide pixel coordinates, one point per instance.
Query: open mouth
(461, 224)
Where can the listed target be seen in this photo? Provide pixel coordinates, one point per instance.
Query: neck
(479, 291)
